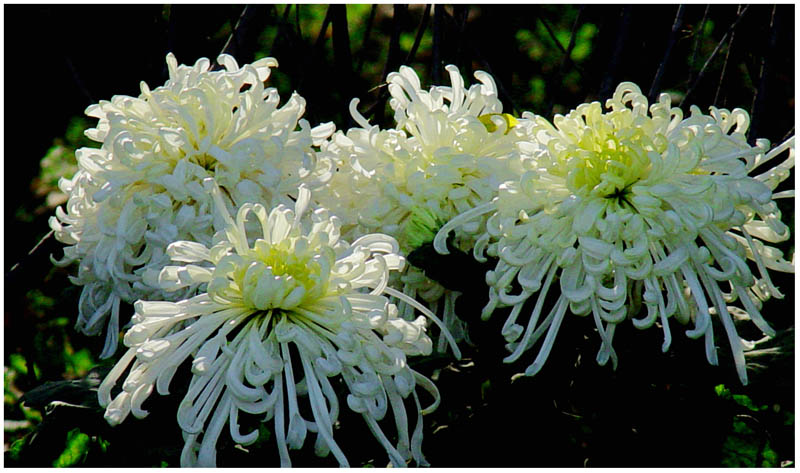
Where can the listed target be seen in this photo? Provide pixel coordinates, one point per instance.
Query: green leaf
(80, 362)
(17, 363)
(708, 27)
(722, 391)
(770, 457)
(77, 447)
(745, 401)
(15, 450)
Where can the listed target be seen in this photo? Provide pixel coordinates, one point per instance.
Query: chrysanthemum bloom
(439, 161)
(626, 207)
(142, 189)
(284, 313)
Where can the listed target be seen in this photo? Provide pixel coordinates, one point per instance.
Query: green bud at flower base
(421, 226)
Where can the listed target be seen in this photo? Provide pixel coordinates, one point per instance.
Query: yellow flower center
(281, 276)
(607, 157)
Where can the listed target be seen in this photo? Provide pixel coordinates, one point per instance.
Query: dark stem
(553, 37)
(725, 62)
(45, 240)
(323, 30)
(394, 43)
(362, 54)
(392, 58)
(787, 135)
(500, 87)
(436, 53)
(341, 42)
(78, 82)
(613, 63)
(297, 20)
(699, 36)
(243, 34)
(565, 60)
(285, 17)
(420, 33)
(475, 50)
(676, 25)
(760, 100)
(712, 56)
(460, 15)
(317, 49)
(342, 58)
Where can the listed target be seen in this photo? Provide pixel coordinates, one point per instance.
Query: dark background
(654, 410)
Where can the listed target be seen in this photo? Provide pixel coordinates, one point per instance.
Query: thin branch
(676, 26)
(343, 60)
(553, 37)
(317, 49)
(725, 62)
(285, 18)
(297, 20)
(78, 82)
(760, 100)
(394, 42)
(613, 63)
(699, 36)
(460, 15)
(45, 240)
(341, 40)
(787, 135)
(392, 57)
(713, 55)
(436, 53)
(236, 40)
(172, 31)
(362, 53)
(564, 61)
(323, 30)
(283, 26)
(420, 33)
(500, 88)
(473, 46)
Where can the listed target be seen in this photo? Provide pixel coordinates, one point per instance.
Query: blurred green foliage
(748, 444)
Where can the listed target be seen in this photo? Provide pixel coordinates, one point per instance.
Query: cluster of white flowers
(628, 210)
(628, 207)
(141, 190)
(290, 300)
(451, 149)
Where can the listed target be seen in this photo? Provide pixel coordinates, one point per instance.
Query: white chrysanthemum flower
(439, 161)
(283, 314)
(142, 189)
(626, 207)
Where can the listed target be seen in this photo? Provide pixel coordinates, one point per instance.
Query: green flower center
(282, 276)
(607, 164)
(421, 227)
(205, 160)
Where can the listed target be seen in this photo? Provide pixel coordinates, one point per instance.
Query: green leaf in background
(583, 42)
(18, 363)
(745, 447)
(16, 449)
(745, 401)
(77, 448)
